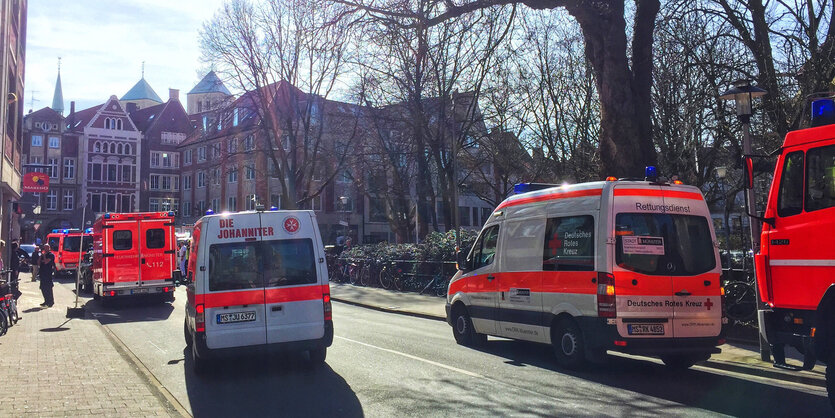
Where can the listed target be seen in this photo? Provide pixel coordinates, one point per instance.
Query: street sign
(343, 223)
(35, 182)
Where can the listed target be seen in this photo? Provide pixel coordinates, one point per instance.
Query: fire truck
(795, 266)
(67, 244)
(134, 254)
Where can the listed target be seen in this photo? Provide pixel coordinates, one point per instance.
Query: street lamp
(344, 200)
(721, 174)
(743, 94)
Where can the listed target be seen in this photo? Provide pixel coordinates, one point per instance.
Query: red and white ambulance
(629, 266)
(134, 254)
(257, 282)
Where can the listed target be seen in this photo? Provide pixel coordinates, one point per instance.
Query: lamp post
(743, 94)
(721, 173)
(344, 200)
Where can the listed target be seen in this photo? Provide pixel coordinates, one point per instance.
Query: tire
(462, 329)
(830, 380)
(740, 301)
(187, 335)
(569, 346)
(386, 278)
(4, 322)
(318, 356)
(680, 362)
(354, 274)
(365, 275)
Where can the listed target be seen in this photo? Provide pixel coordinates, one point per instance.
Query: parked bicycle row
(425, 277)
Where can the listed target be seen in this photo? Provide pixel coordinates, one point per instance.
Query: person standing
(47, 263)
(34, 261)
(14, 265)
(183, 252)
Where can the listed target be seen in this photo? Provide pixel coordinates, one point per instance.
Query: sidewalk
(737, 358)
(52, 366)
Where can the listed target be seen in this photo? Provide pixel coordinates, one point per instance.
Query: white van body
(257, 281)
(631, 266)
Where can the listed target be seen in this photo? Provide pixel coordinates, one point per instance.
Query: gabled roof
(78, 120)
(210, 84)
(141, 90)
(45, 113)
(169, 116)
(144, 118)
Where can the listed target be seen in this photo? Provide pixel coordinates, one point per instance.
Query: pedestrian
(14, 265)
(35, 262)
(47, 263)
(183, 252)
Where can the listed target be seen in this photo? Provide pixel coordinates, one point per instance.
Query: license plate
(645, 329)
(139, 290)
(228, 318)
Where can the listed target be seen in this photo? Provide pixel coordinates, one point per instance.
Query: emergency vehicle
(65, 244)
(795, 265)
(134, 254)
(623, 265)
(257, 281)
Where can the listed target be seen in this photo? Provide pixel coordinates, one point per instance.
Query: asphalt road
(385, 364)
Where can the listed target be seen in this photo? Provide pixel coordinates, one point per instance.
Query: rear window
(289, 262)
(155, 238)
(234, 266)
(122, 240)
(662, 244)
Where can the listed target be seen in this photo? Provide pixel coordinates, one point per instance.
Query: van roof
(806, 136)
(249, 212)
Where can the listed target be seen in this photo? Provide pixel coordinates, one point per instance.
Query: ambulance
(257, 282)
(623, 265)
(134, 254)
(65, 245)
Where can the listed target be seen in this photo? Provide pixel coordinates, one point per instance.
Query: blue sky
(102, 45)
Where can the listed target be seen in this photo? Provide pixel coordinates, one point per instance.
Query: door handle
(683, 293)
(490, 278)
(276, 308)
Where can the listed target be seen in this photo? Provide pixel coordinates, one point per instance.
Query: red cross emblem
(709, 304)
(291, 225)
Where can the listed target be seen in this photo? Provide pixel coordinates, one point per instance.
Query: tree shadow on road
(715, 392)
(282, 385)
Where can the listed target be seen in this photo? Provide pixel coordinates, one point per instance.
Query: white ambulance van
(257, 282)
(629, 266)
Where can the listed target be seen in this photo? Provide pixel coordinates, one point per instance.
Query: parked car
(24, 261)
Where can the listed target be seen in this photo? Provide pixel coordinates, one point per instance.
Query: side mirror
(461, 260)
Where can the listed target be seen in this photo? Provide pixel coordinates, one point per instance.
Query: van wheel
(683, 361)
(96, 296)
(569, 347)
(318, 355)
(187, 334)
(462, 329)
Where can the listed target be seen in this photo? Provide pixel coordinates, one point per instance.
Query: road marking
(427, 361)
(155, 346)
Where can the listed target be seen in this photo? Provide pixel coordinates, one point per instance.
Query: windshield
(72, 244)
(662, 244)
(53, 243)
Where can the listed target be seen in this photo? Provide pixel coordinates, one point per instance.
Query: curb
(711, 364)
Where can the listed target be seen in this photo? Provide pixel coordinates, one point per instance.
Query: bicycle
(390, 276)
(740, 301)
(438, 285)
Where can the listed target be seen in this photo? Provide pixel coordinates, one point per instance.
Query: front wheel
(569, 346)
(462, 329)
(386, 278)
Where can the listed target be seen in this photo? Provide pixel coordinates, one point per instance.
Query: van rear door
(233, 289)
(157, 251)
(121, 252)
(293, 277)
(643, 286)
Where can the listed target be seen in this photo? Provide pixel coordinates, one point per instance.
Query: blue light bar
(210, 212)
(651, 173)
(106, 216)
(531, 187)
(273, 208)
(88, 231)
(171, 213)
(823, 112)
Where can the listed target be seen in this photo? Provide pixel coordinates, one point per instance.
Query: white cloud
(103, 43)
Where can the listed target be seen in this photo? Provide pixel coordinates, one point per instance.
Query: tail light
(326, 300)
(606, 307)
(200, 318)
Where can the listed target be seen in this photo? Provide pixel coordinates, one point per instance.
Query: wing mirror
(461, 261)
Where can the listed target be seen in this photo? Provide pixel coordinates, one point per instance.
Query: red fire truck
(66, 244)
(134, 254)
(796, 263)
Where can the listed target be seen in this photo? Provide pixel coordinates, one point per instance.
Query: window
(233, 175)
(95, 172)
(54, 142)
(153, 204)
(37, 140)
(201, 179)
(344, 177)
(122, 240)
(155, 238)
(126, 207)
(273, 168)
(216, 176)
(187, 182)
(53, 168)
(569, 244)
(201, 206)
(317, 202)
(111, 172)
(201, 154)
(166, 160)
(154, 159)
(187, 157)
(251, 201)
(484, 249)
(820, 178)
(790, 197)
(69, 199)
(128, 149)
(275, 200)
(214, 151)
(464, 215)
(119, 124)
(52, 200)
(215, 204)
(95, 202)
(187, 208)
(154, 182)
(127, 174)
(120, 149)
(97, 147)
(166, 182)
(250, 172)
(377, 210)
(289, 262)
(232, 204)
(249, 143)
(235, 117)
(234, 266)
(519, 239)
(662, 244)
(232, 144)
(69, 168)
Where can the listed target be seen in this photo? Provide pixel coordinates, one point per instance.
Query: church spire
(58, 97)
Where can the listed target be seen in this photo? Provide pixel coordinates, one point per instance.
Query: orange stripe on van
(233, 298)
(658, 193)
(550, 196)
(295, 294)
(261, 296)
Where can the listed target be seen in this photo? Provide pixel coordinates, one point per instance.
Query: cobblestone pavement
(54, 366)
